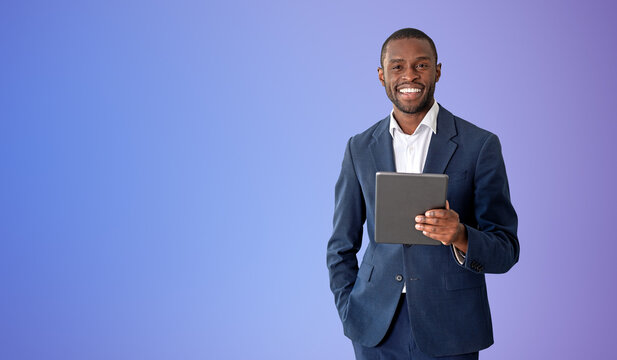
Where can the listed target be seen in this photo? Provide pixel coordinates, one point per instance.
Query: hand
(443, 225)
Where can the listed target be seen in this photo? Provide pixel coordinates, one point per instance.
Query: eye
(396, 67)
(422, 66)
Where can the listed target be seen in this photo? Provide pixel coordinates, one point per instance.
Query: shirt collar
(430, 120)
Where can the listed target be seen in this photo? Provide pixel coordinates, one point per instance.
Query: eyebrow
(402, 60)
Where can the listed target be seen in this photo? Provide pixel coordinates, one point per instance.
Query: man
(421, 302)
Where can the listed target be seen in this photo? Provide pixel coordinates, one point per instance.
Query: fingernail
(419, 218)
(418, 226)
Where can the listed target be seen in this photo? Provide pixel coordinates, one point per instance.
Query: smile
(410, 90)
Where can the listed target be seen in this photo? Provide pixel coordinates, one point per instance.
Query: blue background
(167, 169)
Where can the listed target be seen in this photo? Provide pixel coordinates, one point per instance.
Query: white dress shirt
(410, 150)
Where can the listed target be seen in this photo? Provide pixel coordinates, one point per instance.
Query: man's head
(409, 70)
(407, 33)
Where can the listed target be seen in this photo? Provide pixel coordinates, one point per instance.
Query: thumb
(447, 205)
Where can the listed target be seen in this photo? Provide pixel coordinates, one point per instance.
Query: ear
(437, 72)
(380, 73)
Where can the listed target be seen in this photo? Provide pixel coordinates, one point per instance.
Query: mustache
(409, 84)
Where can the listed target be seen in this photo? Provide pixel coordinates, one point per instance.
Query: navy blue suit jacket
(448, 303)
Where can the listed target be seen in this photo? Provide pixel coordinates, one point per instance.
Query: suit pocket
(365, 272)
(463, 280)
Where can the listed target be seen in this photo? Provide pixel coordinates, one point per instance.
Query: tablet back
(399, 197)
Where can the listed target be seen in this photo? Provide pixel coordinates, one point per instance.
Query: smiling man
(421, 302)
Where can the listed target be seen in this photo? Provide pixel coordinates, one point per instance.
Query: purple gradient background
(167, 170)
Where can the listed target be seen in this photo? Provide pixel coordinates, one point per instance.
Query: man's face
(409, 74)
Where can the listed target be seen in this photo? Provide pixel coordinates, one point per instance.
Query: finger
(447, 205)
(426, 228)
(441, 221)
(437, 213)
(449, 230)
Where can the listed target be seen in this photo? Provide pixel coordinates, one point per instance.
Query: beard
(425, 102)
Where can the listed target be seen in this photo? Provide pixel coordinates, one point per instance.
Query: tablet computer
(399, 198)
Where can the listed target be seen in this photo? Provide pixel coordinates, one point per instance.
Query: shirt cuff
(460, 256)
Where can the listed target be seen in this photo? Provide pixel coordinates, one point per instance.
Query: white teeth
(410, 90)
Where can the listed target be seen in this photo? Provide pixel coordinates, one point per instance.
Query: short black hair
(407, 33)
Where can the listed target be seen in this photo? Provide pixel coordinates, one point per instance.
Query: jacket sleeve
(346, 240)
(493, 244)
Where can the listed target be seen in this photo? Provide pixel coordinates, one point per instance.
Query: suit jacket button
(399, 277)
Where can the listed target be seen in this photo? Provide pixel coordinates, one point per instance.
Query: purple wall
(167, 171)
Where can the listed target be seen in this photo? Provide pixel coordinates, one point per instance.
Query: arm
(346, 240)
(493, 245)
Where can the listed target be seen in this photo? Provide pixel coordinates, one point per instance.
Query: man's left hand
(443, 225)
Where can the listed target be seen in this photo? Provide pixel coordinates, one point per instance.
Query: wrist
(461, 241)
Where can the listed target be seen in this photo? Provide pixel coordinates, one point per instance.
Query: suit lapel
(442, 147)
(381, 147)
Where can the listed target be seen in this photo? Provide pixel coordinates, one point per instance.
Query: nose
(411, 73)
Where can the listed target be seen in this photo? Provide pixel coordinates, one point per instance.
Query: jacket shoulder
(469, 131)
(466, 128)
(364, 138)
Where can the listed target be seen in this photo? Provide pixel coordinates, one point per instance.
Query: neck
(409, 122)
